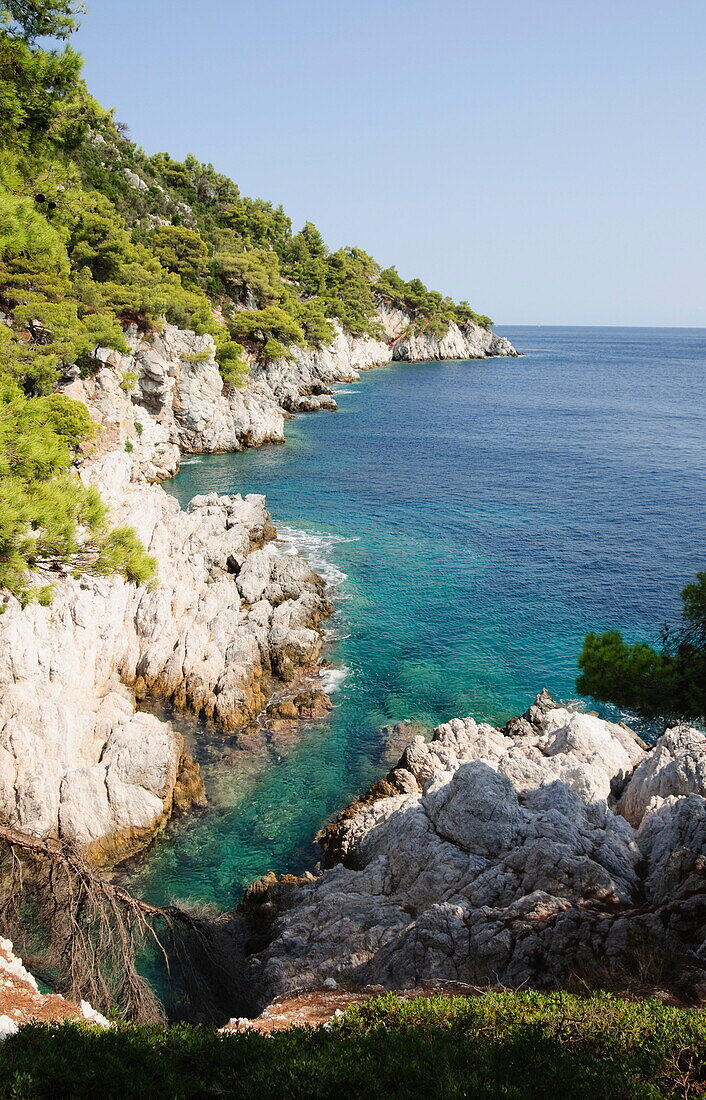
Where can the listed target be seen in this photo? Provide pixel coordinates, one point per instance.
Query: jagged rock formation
(409, 345)
(229, 615)
(229, 611)
(558, 848)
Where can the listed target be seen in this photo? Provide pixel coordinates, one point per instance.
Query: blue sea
(476, 519)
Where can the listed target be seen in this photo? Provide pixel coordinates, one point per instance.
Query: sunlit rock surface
(492, 856)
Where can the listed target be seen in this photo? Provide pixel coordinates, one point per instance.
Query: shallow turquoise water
(478, 518)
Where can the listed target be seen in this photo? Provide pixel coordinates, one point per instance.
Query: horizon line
(539, 324)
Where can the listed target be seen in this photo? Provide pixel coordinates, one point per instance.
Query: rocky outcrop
(228, 615)
(172, 378)
(410, 345)
(170, 382)
(458, 342)
(503, 857)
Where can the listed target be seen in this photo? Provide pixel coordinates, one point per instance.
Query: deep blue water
(485, 516)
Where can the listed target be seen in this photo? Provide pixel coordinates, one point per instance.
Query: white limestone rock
(675, 768)
(8, 1027)
(23, 1003)
(508, 861)
(228, 613)
(170, 385)
(458, 342)
(76, 759)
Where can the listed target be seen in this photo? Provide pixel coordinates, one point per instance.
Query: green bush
(180, 250)
(122, 552)
(666, 683)
(516, 1046)
(230, 357)
(47, 516)
(270, 323)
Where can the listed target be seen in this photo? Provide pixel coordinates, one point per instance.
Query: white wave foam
(332, 678)
(317, 548)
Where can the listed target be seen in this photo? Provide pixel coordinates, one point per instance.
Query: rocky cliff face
(458, 342)
(22, 1003)
(174, 378)
(228, 614)
(558, 848)
(231, 617)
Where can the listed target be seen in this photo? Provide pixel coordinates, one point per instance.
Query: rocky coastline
(230, 622)
(177, 383)
(551, 852)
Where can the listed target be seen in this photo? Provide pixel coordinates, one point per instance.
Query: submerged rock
(502, 857)
(395, 738)
(310, 703)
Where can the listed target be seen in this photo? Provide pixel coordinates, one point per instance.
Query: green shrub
(666, 683)
(525, 1046)
(69, 419)
(122, 552)
(180, 250)
(270, 323)
(197, 357)
(230, 357)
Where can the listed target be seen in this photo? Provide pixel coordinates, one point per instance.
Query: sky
(543, 159)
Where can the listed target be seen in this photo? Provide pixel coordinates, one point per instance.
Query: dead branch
(87, 933)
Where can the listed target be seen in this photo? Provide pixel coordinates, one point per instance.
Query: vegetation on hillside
(62, 272)
(96, 235)
(669, 682)
(518, 1046)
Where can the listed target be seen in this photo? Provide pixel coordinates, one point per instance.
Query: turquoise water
(477, 519)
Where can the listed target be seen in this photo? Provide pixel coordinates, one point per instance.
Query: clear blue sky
(545, 159)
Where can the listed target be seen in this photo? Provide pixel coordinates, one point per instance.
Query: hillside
(101, 245)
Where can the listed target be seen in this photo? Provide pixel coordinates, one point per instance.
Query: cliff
(228, 613)
(177, 382)
(229, 617)
(411, 344)
(559, 849)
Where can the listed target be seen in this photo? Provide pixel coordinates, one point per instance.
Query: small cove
(475, 520)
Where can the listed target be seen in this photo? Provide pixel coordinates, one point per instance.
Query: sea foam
(332, 678)
(317, 548)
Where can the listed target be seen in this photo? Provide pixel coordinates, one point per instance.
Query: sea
(474, 520)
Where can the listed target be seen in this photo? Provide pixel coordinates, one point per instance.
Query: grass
(522, 1046)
